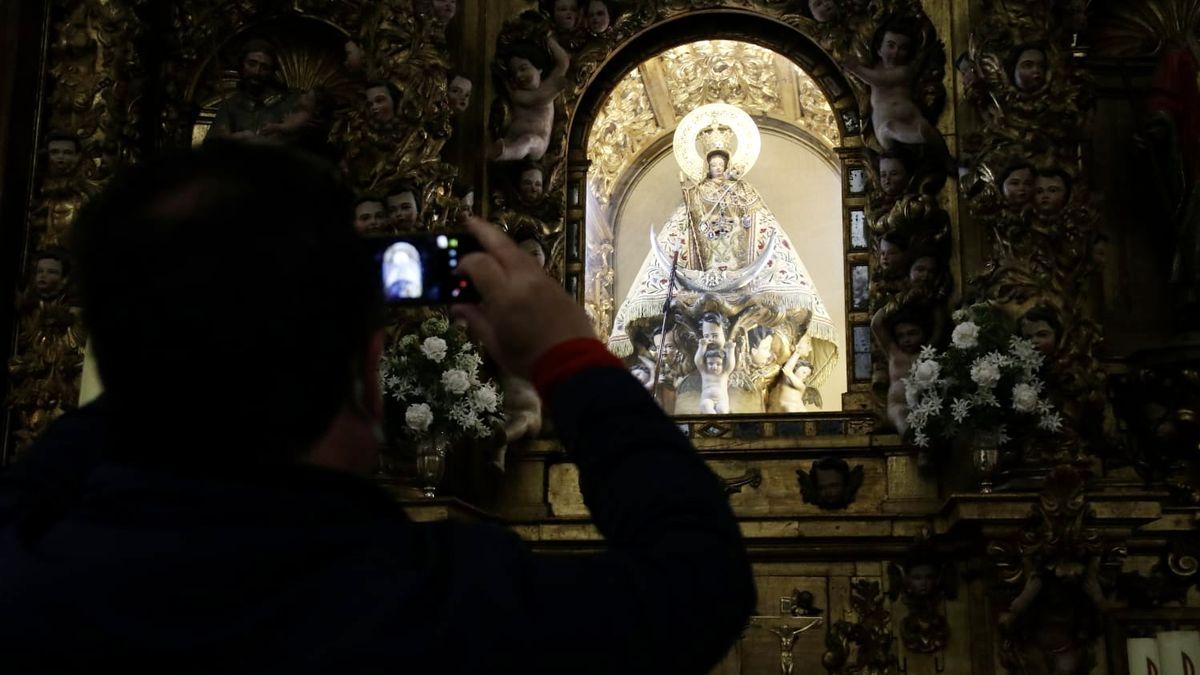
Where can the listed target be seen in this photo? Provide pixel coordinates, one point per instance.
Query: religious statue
(599, 17)
(794, 394)
(532, 88)
(458, 90)
(50, 344)
(830, 484)
(65, 190)
(745, 300)
(404, 208)
(260, 104)
(370, 215)
(901, 336)
(895, 114)
(922, 581)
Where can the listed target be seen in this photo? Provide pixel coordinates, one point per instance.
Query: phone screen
(419, 269)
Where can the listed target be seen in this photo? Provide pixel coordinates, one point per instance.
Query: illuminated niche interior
(634, 178)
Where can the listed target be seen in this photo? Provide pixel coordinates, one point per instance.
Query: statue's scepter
(663, 330)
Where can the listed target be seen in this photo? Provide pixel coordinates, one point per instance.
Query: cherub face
(598, 17)
(891, 256)
(895, 50)
(669, 352)
(909, 337)
(1049, 194)
(823, 10)
(711, 331)
(922, 269)
(1042, 334)
(1030, 73)
(459, 93)
(444, 10)
(380, 106)
(1018, 187)
(64, 157)
(403, 209)
(802, 371)
(369, 216)
(714, 361)
(48, 277)
(831, 486)
(531, 186)
(717, 166)
(533, 248)
(922, 580)
(256, 68)
(566, 14)
(524, 73)
(893, 176)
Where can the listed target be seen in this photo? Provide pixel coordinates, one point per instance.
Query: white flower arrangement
(435, 378)
(987, 380)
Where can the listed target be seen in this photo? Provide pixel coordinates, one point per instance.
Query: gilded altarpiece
(961, 141)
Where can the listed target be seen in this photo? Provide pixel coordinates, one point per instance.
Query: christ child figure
(715, 364)
(532, 92)
(790, 395)
(901, 338)
(894, 114)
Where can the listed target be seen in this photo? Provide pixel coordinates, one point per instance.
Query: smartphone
(420, 269)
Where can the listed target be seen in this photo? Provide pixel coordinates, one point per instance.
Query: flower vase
(985, 455)
(431, 462)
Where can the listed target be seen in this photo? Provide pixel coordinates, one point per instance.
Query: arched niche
(847, 157)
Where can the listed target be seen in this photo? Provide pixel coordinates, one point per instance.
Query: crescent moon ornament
(749, 141)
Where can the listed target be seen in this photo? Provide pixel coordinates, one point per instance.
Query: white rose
(456, 382)
(1025, 398)
(966, 335)
(485, 399)
(434, 349)
(419, 416)
(985, 373)
(926, 373)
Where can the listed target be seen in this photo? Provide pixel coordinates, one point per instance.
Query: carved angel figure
(532, 86)
(830, 484)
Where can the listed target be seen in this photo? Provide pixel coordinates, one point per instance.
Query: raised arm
(879, 77)
(673, 571)
(556, 80)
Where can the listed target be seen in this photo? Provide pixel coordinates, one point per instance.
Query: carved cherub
(830, 484)
(900, 335)
(895, 115)
(66, 189)
(794, 394)
(532, 91)
(715, 362)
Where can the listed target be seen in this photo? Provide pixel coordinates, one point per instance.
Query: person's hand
(522, 312)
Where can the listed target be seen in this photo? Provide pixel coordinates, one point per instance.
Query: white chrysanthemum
(966, 335)
(434, 349)
(920, 440)
(927, 373)
(1025, 398)
(912, 394)
(418, 417)
(960, 409)
(456, 382)
(985, 372)
(1051, 422)
(927, 353)
(485, 399)
(408, 341)
(959, 315)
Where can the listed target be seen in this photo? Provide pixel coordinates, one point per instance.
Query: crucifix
(787, 627)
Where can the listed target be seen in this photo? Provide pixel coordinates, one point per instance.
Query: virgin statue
(744, 305)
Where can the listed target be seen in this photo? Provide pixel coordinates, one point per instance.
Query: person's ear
(372, 394)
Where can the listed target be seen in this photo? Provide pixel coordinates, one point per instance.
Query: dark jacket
(116, 567)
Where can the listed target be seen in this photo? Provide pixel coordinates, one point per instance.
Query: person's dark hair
(1062, 174)
(401, 188)
(1019, 166)
(530, 165)
(257, 45)
(899, 157)
(832, 464)
(722, 153)
(54, 254)
(524, 235)
(1043, 313)
(530, 52)
(58, 135)
(229, 300)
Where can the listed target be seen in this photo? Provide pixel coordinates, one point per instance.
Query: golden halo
(749, 142)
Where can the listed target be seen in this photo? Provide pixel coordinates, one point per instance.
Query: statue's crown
(717, 138)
